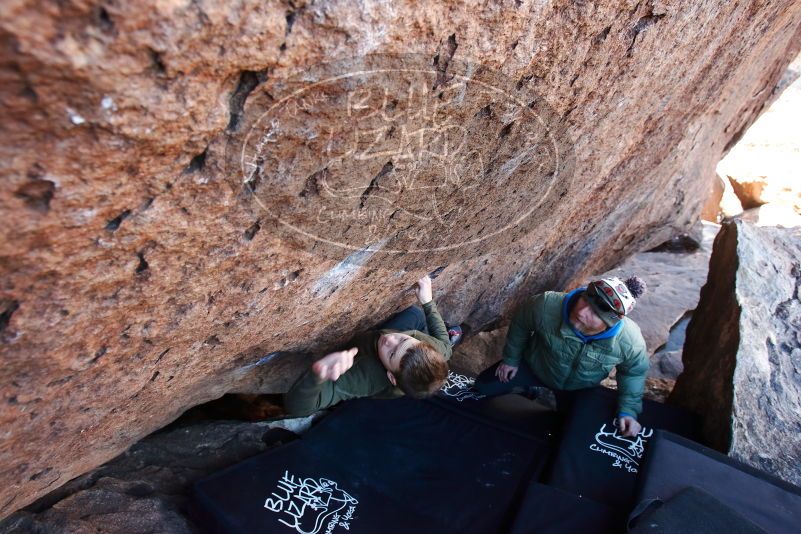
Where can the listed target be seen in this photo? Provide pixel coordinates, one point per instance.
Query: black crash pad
(377, 466)
(594, 461)
(675, 463)
(692, 510)
(512, 412)
(549, 510)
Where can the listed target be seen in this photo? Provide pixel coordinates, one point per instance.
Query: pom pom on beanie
(636, 286)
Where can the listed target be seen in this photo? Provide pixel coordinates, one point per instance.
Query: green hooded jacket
(541, 335)
(368, 376)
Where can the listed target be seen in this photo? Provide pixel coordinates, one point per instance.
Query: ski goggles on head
(602, 307)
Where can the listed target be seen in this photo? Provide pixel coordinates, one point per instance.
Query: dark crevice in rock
(679, 200)
(505, 130)
(233, 407)
(443, 59)
(291, 17)
(681, 243)
(436, 272)
(251, 232)
(312, 186)
(486, 111)
(37, 194)
(104, 21)
(157, 62)
(113, 224)
(573, 80)
(140, 490)
(30, 93)
(254, 179)
(59, 381)
(99, 354)
(213, 341)
(202, 17)
(163, 353)
(601, 37)
(197, 163)
(7, 309)
(143, 265)
(248, 81)
(386, 169)
(40, 474)
(735, 138)
(8, 502)
(640, 26)
(290, 21)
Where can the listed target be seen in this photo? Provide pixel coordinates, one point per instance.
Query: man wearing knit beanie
(571, 341)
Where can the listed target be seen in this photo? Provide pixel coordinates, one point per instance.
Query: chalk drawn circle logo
(393, 154)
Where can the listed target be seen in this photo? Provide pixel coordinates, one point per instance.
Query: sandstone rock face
(742, 357)
(712, 211)
(479, 351)
(148, 262)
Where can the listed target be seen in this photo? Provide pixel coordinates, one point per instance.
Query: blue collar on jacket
(567, 303)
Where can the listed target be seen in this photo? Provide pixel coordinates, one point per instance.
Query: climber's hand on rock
(505, 372)
(424, 291)
(628, 426)
(334, 365)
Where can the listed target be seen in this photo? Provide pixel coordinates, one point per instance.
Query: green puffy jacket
(541, 335)
(368, 376)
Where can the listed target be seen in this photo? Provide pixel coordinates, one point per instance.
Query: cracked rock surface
(141, 274)
(742, 357)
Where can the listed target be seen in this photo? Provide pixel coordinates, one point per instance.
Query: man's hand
(505, 372)
(628, 426)
(423, 290)
(334, 365)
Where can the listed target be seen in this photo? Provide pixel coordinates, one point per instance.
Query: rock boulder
(742, 356)
(154, 254)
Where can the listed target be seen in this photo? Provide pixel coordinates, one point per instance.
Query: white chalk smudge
(344, 271)
(263, 360)
(108, 103)
(74, 117)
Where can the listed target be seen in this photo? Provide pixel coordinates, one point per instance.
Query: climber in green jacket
(407, 355)
(571, 341)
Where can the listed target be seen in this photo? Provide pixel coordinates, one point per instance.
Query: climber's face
(585, 319)
(392, 347)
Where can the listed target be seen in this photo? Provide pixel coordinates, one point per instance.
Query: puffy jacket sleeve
(309, 395)
(631, 373)
(518, 337)
(437, 329)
